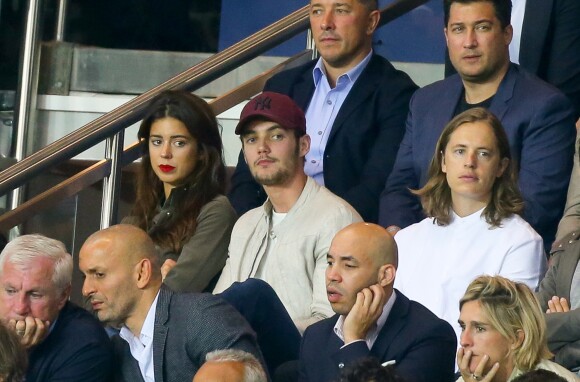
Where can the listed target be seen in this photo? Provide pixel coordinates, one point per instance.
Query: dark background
(166, 25)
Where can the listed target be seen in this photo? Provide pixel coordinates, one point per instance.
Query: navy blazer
(187, 327)
(422, 345)
(363, 142)
(77, 349)
(539, 122)
(550, 45)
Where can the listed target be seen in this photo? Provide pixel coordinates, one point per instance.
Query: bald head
(127, 241)
(122, 274)
(369, 239)
(360, 256)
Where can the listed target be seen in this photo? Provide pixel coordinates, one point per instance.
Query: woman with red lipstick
(180, 190)
(473, 226)
(503, 333)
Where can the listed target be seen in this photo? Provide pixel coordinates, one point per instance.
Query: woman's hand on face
(166, 267)
(463, 360)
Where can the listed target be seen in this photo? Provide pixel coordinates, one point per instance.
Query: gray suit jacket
(571, 220)
(563, 328)
(187, 327)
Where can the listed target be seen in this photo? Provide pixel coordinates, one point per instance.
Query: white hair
(253, 370)
(28, 248)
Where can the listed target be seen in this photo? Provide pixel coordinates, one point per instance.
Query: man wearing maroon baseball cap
(285, 241)
(275, 107)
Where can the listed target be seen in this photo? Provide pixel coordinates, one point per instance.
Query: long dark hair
(201, 186)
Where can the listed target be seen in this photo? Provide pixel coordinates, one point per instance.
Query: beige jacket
(297, 262)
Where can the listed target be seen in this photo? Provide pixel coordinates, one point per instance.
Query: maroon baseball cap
(273, 107)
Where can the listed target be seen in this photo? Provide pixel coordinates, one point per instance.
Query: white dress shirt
(142, 347)
(437, 263)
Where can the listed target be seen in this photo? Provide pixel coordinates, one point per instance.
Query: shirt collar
(309, 186)
(473, 217)
(374, 332)
(352, 75)
(146, 335)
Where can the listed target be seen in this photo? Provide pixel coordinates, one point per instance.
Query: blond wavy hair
(511, 307)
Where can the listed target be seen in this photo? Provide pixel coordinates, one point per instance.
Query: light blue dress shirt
(322, 112)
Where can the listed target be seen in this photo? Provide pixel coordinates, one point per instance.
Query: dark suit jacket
(422, 345)
(187, 327)
(539, 122)
(563, 328)
(550, 45)
(363, 142)
(77, 349)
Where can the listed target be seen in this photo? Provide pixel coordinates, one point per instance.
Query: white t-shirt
(437, 263)
(262, 272)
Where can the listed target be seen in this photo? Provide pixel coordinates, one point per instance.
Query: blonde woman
(503, 333)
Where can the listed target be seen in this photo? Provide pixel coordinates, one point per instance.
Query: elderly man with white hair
(65, 342)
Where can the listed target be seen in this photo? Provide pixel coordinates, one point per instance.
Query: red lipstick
(166, 168)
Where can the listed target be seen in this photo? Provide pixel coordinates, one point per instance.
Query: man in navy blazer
(363, 133)
(550, 45)
(373, 319)
(164, 336)
(538, 119)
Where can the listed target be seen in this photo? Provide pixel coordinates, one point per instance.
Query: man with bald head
(164, 336)
(372, 318)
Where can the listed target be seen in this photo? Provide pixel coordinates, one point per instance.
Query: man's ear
(143, 273)
(374, 18)
(63, 298)
(386, 275)
(502, 166)
(304, 142)
(508, 34)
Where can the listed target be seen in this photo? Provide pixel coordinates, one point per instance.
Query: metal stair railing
(102, 169)
(109, 126)
(125, 115)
